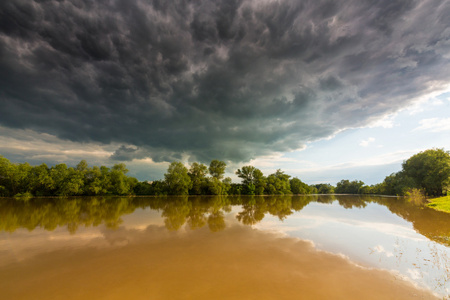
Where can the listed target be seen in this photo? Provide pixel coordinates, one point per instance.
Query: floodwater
(286, 247)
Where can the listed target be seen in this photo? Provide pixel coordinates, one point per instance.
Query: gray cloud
(231, 80)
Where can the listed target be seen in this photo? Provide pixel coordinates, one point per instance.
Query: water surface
(290, 247)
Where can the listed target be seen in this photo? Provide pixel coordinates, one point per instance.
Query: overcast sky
(325, 90)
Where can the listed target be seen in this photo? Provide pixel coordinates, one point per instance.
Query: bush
(24, 196)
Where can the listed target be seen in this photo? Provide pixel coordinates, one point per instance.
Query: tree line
(25, 180)
(427, 172)
(200, 179)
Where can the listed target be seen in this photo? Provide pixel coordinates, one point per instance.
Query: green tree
(72, 184)
(278, 183)
(324, 188)
(59, 174)
(177, 179)
(299, 187)
(120, 184)
(197, 173)
(143, 188)
(82, 166)
(246, 174)
(348, 187)
(41, 182)
(23, 179)
(312, 189)
(105, 179)
(217, 169)
(218, 187)
(226, 185)
(430, 170)
(5, 183)
(14, 178)
(366, 189)
(132, 183)
(253, 180)
(93, 182)
(260, 182)
(21, 175)
(159, 188)
(235, 189)
(396, 184)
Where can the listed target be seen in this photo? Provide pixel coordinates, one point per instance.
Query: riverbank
(441, 203)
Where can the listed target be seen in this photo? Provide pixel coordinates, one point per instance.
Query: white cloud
(427, 100)
(35, 147)
(386, 122)
(378, 160)
(365, 143)
(19, 145)
(437, 102)
(434, 124)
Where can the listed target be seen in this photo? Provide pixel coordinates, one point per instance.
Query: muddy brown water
(287, 247)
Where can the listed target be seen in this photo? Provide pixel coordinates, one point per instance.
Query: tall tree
(5, 183)
(278, 183)
(119, 181)
(82, 166)
(93, 184)
(59, 174)
(247, 174)
(299, 187)
(177, 179)
(197, 173)
(41, 181)
(430, 170)
(72, 184)
(260, 182)
(217, 169)
(219, 187)
(396, 184)
(253, 180)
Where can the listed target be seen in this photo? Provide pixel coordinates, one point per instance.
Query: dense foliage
(60, 180)
(349, 187)
(427, 172)
(24, 180)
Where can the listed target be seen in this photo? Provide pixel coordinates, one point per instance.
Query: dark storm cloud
(214, 79)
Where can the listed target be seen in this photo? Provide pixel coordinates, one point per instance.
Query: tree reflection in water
(197, 212)
(213, 213)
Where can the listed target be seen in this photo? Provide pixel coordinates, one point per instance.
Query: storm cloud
(225, 79)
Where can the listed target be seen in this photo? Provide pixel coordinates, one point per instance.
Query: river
(271, 247)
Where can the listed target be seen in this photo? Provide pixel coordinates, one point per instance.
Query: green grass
(442, 203)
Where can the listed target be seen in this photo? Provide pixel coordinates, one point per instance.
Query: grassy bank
(442, 203)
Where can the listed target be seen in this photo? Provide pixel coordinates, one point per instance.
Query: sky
(324, 90)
